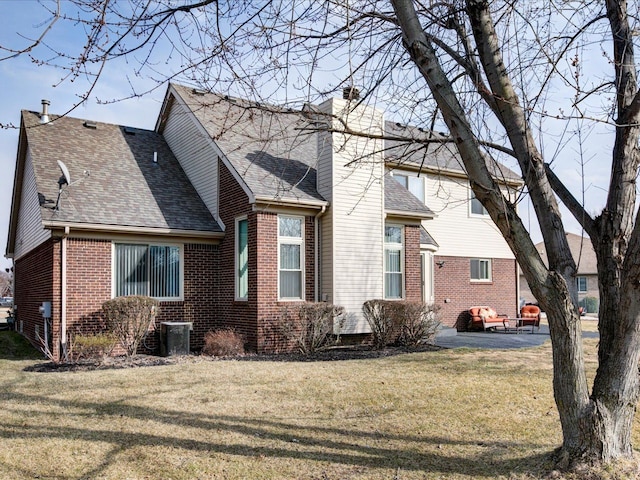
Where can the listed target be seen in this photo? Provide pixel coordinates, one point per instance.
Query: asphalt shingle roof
(439, 156)
(265, 145)
(273, 149)
(114, 180)
(396, 198)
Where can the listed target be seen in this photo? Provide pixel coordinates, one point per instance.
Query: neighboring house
(586, 278)
(231, 211)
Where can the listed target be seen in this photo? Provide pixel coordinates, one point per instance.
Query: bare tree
(489, 73)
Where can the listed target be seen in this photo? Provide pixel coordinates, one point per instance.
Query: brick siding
(33, 276)
(413, 276)
(455, 293)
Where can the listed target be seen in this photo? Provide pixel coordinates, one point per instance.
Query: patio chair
(530, 316)
(485, 318)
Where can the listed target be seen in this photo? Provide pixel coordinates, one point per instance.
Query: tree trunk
(595, 428)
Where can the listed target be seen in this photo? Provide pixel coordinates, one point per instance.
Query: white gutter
(63, 292)
(316, 238)
(51, 224)
(270, 201)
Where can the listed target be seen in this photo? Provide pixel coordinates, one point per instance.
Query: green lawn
(455, 414)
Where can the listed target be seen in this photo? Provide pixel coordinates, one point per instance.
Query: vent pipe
(44, 116)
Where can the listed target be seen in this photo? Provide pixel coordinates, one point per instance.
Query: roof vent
(90, 124)
(129, 130)
(44, 116)
(350, 93)
(197, 91)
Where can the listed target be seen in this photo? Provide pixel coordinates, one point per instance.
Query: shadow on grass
(14, 346)
(269, 438)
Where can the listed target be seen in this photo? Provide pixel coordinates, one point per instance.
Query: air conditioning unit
(174, 338)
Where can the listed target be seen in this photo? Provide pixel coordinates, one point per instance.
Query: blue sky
(24, 84)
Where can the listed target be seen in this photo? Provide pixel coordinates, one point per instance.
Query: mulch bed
(332, 354)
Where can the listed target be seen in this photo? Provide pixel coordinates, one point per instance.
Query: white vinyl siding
(193, 149)
(29, 232)
(150, 270)
(459, 234)
(290, 258)
(393, 262)
(242, 259)
(353, 226)
(480, 269)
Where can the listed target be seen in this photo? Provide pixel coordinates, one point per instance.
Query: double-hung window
(393, 260)
(581, 284)
(414, 184)
(480, 270)
(151, 270)
(242, 259)
(290, 257)
(476, 208)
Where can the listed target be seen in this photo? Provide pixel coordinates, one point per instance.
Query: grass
(451, 414)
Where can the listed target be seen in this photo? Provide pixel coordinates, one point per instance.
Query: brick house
(229, 211)
(586, 276)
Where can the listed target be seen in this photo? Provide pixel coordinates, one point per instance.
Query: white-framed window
(476, 209)
(242, 258)
(153, 270)
(393, 261)
(413, 183)
(290, 257)
(581, 283)
(480, 269)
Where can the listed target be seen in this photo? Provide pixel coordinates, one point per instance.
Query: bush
(418, 322)
(380, 316)
(222, 343)
(400, 322)
(590, 304)
(94, 346)
(309, 326)
(130, 319)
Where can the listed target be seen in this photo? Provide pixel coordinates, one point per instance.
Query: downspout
(63, 293)
(316, 239)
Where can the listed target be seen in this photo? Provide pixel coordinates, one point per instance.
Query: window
(476, 207)
(414, 184)
(290, 257)
(152, 270)
(393, 260)
(480, 270)
(242, 259)
(581, 283)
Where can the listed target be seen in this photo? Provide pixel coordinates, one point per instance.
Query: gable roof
(114, 179)
(274, 150)
(581, 251)
(265, 145)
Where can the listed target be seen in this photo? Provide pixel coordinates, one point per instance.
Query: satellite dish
(65, 179)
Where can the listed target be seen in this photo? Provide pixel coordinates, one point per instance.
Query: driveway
(496, 340)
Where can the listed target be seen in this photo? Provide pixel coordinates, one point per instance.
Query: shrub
(130, 319)
(590, 304)
(400, 322)
(418, 322)
(380, 316)
(92, 346)
(222, 343)
(309, 326)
